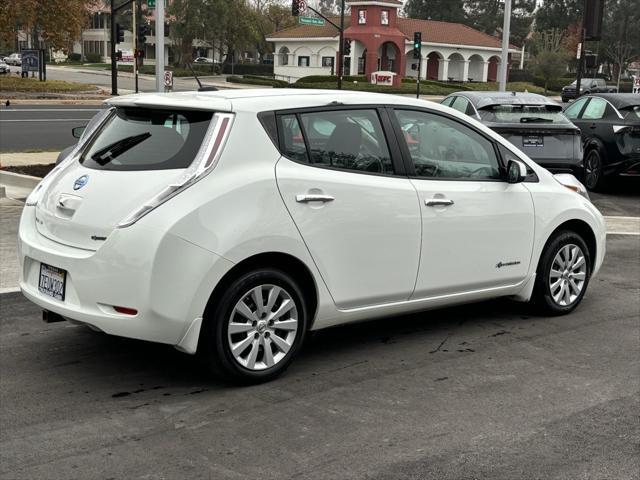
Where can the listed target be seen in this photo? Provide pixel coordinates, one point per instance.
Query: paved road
(146, 83)
(41, 127)
(484, 391)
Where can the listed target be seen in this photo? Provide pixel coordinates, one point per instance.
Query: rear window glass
(522, 114)
(632, 112)
(147, 139)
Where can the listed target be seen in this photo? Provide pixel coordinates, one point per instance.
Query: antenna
(201, 88)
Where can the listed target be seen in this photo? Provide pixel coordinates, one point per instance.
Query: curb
(11, 179)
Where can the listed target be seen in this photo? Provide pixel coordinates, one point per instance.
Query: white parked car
(14, 59)
(4, 68)
(233, 222)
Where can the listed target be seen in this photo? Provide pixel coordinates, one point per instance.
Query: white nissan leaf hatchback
(231, 223)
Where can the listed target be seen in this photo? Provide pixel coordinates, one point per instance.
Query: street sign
(382, 78)
(168, 79)
(311, 21)
(579, 52)
(151, 3)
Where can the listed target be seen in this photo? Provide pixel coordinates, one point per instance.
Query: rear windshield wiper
(535, 120)
(108, 153)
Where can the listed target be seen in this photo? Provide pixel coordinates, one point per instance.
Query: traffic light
(140, 53)
(295, 8)
(119, 34)
(346, 47)
(417, 44)
(143, 31)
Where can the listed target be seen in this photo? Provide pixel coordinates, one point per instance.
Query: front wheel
(563, 274)
(256, 328)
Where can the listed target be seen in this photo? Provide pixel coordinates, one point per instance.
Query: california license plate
(532, 141)
(52, 281)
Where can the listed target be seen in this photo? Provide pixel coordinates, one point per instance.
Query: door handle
(593, 125)
(304, 198)
(438, 202)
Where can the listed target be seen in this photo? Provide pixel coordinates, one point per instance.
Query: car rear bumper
(166, 279)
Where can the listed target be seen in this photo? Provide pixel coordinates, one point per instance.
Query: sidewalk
(9, 268)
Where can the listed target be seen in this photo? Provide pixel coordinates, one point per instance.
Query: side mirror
(516, 171)
(77, 131)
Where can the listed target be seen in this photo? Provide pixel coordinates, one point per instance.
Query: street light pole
(160, 46)
(504, 63)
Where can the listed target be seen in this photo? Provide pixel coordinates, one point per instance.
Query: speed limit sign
(168, 79)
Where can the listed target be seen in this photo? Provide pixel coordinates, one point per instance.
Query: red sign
(382, 78)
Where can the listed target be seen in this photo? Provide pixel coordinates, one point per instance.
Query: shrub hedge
(255, 80)
(248, 69)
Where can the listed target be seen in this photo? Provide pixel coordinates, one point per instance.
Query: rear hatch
(135, 154)
(540, 131)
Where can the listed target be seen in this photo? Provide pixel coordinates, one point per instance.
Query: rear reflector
(126, 310)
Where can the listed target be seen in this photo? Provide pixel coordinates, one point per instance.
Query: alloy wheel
(592, 169)
(262, 327)
(568, 275)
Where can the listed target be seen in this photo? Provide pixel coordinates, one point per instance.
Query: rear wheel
(256, 328)
(593, 174)
(563, 274)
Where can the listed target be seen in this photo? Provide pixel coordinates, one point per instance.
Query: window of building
(327, 61)
(303, 61)
(284, 56)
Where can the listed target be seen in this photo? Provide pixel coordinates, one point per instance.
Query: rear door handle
(438, 202)
(593, 125)
(304, 198)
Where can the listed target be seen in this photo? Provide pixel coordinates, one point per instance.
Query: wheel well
(280, 261)
(584, 230)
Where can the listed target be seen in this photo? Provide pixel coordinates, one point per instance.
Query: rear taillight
(126, 310)
(204, 163)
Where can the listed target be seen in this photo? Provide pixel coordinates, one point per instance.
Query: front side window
(343, 139)
(443, 148)
(595, 110)
(574, 109)
(147, 139)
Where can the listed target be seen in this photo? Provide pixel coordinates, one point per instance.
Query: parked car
(14, 59)
(4, 68)
(231, 223)
(587, 86)
(610, 125)
(531, 122)
(204, 60)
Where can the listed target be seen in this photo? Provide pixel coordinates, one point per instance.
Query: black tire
(542, 296)
(214, 347)
(594, 178)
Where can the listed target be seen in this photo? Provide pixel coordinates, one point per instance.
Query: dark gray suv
(587, 86)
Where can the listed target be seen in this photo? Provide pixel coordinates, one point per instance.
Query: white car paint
(374, 251)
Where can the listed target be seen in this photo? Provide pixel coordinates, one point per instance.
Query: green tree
(488, 16)
(550, 60)
(442, 10)
(557, 14)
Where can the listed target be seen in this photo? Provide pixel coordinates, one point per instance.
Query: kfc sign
(382, 78)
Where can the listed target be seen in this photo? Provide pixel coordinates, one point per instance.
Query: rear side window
(147, 139)
(343, 139)
(595, 110)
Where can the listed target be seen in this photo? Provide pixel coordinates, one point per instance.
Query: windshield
(147, 139)
(522, 114)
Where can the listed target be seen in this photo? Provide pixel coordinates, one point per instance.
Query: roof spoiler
(201, 88)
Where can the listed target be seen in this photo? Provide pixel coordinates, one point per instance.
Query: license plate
(532, 141)
(52, 281)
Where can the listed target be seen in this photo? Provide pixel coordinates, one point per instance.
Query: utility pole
(160, 46)
(581, 49)
(341, 47)
(114, 62)
(135, 46)
(504, 64)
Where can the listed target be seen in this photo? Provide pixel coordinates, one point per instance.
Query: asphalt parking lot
(488, 390)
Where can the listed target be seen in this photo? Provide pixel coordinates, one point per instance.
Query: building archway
(476, 68)
(388, 57)
(434, 64)
(456, 68)
(283, 56)
(492, 72)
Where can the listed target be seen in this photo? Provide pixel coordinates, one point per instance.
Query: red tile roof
(432, 32)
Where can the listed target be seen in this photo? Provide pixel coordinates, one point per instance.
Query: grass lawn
(17, 84)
